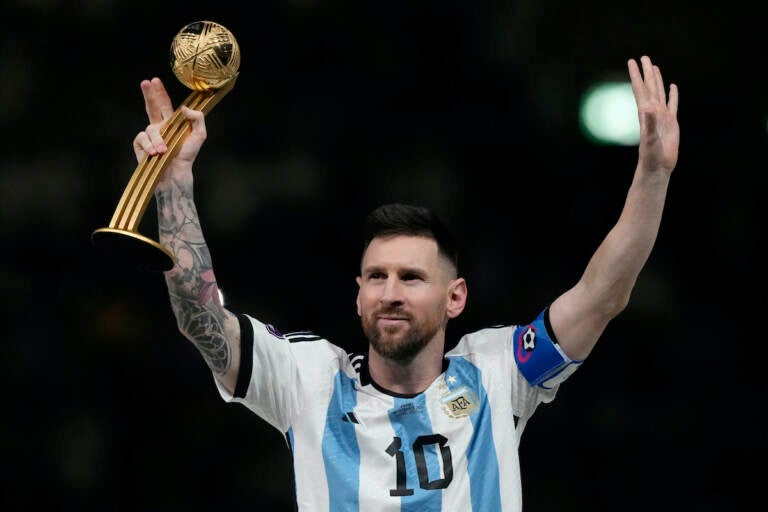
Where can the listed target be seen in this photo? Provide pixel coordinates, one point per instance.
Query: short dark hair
(406, 219)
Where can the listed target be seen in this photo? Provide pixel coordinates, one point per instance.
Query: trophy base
(133, 249)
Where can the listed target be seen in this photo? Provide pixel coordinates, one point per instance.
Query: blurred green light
(608, 114)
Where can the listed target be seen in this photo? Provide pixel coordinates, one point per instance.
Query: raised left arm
(580, 315)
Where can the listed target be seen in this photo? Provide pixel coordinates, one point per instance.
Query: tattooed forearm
(206, 330)
(191, 283)
(177, 217)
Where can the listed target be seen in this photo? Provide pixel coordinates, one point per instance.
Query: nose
(392, 292)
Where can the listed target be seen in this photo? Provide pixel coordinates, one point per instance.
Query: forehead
(401, 251)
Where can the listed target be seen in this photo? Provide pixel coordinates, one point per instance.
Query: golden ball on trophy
(205, 55)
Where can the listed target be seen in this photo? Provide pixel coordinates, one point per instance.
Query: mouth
(391, 320)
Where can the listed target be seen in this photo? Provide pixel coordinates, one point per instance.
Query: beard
(401, 343)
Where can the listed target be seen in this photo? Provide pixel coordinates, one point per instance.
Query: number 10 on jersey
(394, 450)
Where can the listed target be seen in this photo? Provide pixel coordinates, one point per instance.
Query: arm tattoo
(191, 283)
(206, 330)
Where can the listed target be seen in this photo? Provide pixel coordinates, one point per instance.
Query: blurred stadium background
(469, 107)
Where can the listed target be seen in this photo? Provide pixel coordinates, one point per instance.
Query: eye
(410, 276)
(376, 275)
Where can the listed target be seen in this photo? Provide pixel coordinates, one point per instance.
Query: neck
(409, 377)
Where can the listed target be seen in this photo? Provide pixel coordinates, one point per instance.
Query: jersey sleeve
(282, 377)
(268, 377)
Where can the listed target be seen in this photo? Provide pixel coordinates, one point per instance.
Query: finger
(662, 94)
(144, 142)
(142, 145)
(673, 99)
(648, 74)
(156, 100)
(635, 78)
(155, 138)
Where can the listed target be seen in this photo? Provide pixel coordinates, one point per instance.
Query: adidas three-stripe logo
(349, 417)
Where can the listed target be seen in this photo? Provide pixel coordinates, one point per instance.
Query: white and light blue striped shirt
(358, 447)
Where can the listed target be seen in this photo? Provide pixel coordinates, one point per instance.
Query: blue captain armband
(538, 355)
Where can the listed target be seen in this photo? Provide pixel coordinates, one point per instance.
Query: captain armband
(538, 355)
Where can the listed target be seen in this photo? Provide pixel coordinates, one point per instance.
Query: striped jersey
(358, 447)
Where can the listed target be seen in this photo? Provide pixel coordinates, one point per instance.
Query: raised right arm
(194, 294)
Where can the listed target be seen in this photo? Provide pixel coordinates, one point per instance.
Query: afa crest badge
(460, 403)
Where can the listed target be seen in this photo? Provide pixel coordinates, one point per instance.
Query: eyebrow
(404, 270)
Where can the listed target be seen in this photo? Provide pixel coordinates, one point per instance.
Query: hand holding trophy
(205, 57)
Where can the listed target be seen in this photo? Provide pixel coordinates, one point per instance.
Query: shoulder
(488, 349)
(488, 339)
(298, 344)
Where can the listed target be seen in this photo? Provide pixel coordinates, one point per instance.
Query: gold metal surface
(204, 55)
(210, 77)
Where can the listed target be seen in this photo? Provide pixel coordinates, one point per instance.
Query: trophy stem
(121, 238)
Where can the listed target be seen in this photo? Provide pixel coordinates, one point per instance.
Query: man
(406, 426)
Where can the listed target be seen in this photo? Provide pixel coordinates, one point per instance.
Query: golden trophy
(205, 57)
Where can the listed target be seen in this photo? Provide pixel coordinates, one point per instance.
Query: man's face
(403, 296)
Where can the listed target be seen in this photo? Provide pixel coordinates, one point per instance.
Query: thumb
(197, 121)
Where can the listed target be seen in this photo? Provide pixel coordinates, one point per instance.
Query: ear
(457, 297)
(357, 300)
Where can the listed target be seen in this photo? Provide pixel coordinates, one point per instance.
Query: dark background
(468, 107)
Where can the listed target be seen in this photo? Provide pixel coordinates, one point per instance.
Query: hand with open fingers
(659, 130)
(159, 110)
